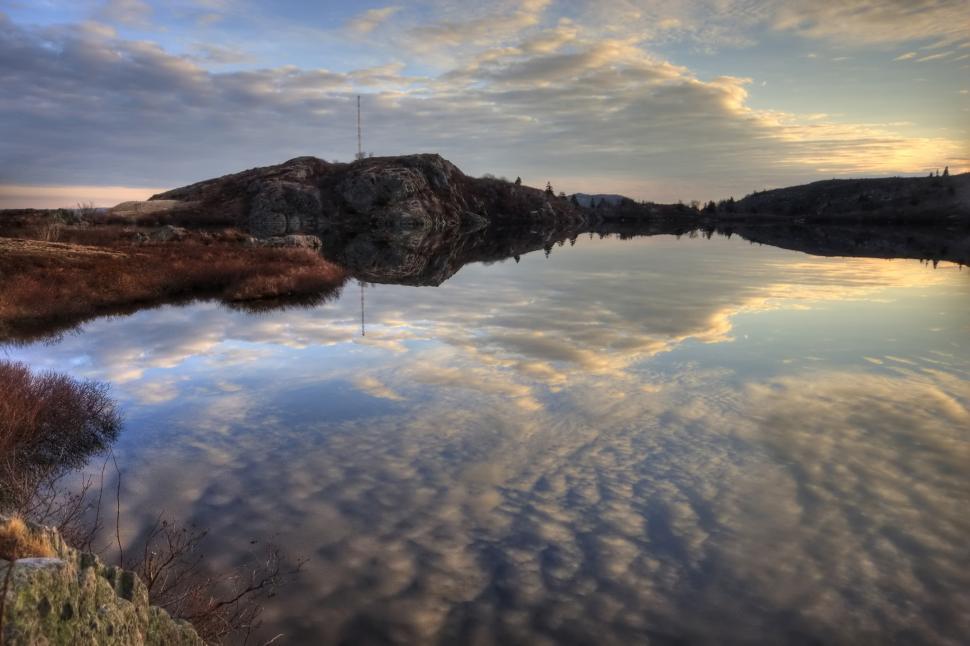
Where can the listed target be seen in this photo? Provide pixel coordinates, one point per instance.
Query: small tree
(574, 200)
(946, 171)
(518, 181)
(549, 190)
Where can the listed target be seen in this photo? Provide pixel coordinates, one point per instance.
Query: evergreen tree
(549, 191)
(946, 171)
(518, 181)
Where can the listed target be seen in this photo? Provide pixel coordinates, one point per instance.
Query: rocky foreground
(66, 597)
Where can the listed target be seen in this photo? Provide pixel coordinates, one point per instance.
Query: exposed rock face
(292, 241)
(309, 195)
(74, 599)
(280, 207)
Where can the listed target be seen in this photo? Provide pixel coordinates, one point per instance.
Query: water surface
(627, 440)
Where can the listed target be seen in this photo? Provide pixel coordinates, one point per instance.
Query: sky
(656, 99)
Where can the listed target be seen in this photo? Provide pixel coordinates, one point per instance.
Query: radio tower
(360, 148)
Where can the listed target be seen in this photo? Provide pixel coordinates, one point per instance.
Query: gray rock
(148, 207)
(375, 187)
(280, 207)
(309, 195)
(168, 233)
(292, 241)
(76, 599)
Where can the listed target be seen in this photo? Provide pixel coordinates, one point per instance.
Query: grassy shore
(87, 271)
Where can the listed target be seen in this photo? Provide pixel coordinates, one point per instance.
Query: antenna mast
(360, 149)
(363, 332)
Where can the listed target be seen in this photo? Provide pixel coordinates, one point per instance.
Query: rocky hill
(310, 195)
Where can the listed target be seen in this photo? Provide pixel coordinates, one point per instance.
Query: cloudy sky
(657, 99)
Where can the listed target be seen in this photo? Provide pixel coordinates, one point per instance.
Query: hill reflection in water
(654, 438)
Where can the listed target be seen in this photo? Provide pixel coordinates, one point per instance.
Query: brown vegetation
(18, 541)
(48, 283)
(49, 422)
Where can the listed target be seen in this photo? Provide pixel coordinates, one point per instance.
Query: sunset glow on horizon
(653, 99)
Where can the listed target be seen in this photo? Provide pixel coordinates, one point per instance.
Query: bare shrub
(85, 210)
(219, 606)
(49, 423)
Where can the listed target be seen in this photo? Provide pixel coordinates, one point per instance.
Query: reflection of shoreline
(430, 258)
(426, 257)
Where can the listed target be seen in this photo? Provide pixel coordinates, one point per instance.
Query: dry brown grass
(18, 541)
(47, 284)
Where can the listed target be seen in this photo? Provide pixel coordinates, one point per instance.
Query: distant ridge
(586, 200)
(896, 197)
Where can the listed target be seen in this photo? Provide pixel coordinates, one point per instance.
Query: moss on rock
(73, 598)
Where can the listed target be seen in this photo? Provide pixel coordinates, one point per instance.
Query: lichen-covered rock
(73, 598)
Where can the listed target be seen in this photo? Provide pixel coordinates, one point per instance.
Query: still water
(628, 441)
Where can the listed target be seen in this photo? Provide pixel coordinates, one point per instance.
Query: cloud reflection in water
(649, 438)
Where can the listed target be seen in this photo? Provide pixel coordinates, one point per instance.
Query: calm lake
(654, 439)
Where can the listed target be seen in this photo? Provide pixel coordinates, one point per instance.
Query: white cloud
(499, 21)
(127, 12)
(874, 21)
(371, 19)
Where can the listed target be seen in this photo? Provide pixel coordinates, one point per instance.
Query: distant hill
(586, 200)
(890, 197)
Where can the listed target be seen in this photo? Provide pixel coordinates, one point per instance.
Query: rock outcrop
(72, 598)
(307, 195)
